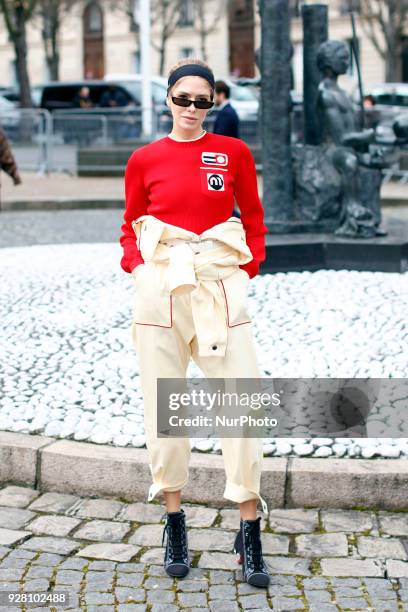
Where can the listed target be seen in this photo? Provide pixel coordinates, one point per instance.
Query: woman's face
(194, 88)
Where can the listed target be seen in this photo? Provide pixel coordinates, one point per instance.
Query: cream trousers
(192, 303)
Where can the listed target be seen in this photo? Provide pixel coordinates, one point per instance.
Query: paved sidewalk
(107, 554)
(60, 187)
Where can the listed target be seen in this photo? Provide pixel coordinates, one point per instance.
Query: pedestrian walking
(191, 261)
(227, 120)
(7, 161)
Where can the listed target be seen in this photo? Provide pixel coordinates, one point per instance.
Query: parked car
(389, 101)
(9, 116)
(61, 95)
(244, 100)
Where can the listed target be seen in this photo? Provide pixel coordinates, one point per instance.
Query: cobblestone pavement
(107, 555)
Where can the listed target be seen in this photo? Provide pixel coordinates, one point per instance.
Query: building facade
(96, 39)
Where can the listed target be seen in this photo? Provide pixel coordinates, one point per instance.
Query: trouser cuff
(239, 493)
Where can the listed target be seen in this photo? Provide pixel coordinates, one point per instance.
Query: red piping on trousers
(226, 303)
(155, 324)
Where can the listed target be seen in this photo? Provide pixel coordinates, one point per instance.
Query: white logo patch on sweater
(215, 182)
(214, 159)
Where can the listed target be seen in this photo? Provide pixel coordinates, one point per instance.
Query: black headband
(191, 70)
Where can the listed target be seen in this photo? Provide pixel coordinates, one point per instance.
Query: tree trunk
(162, 56)
(393, 65)
(20, 47)
(203, 46)
(50, 31)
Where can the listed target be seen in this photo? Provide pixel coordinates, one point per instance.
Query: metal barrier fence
(100, 139)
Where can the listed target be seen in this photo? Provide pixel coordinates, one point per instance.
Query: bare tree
(50, 14)
(207, 17)
(385, 23)
(16, 15)
(127, 8)
(166, 16)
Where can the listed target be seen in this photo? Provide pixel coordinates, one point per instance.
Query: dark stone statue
(347, 148)
(337, 183)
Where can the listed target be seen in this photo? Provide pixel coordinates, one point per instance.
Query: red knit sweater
(192, 184)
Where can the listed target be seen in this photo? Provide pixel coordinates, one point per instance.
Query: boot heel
(239, 548)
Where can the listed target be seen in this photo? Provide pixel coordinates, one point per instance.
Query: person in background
(83, 98)
(227, 120)
(7, 161)
(113, 97)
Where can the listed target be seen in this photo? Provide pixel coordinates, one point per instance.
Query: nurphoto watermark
(282, 407)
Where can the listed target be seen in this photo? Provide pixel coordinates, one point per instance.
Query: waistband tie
(197, 269)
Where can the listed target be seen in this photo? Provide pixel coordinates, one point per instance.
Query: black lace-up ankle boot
(248, 545)
(176, 557)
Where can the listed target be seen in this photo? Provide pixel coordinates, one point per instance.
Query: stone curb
(87, 469)
(61, 204)
(69, 203)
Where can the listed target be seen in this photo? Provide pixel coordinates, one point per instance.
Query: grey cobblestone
(349, 603)
(51, 544)
(192, 586)
(97, 508)
(39, 571)
(188, 600)
(222, 591)
(157, 582)
(131, 580)
(322, 545)
(47, 558)
(253, 601)
(54, 502)
(103, 531)
(346, 521)
(381, 548)
(316, 597)
(220, 577)
(160, 596)
(15, 518)
(128, 594)
(223, 606)
(293, 521)
(17, 497)
(285, 604)
(99, 598)
(37, 584)
(323, 608)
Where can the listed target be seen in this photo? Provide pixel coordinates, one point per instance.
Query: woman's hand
(136, 270)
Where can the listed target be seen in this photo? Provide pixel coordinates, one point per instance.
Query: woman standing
(191, 262)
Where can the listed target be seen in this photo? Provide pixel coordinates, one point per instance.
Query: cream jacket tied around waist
(208, 275)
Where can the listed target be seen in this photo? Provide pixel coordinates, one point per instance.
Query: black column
(275, 116)
(315, 32)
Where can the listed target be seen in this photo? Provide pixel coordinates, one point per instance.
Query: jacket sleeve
(7, 161)
(250, 206)
(135, 206)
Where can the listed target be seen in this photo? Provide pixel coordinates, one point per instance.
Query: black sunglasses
(197, 103)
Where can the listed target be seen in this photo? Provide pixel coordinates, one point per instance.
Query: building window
(93, 19)
(346, 6)
(352, 66)
(186, 14)
(186, 52)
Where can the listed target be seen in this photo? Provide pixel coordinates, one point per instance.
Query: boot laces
(254, 548)
(175, 537)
